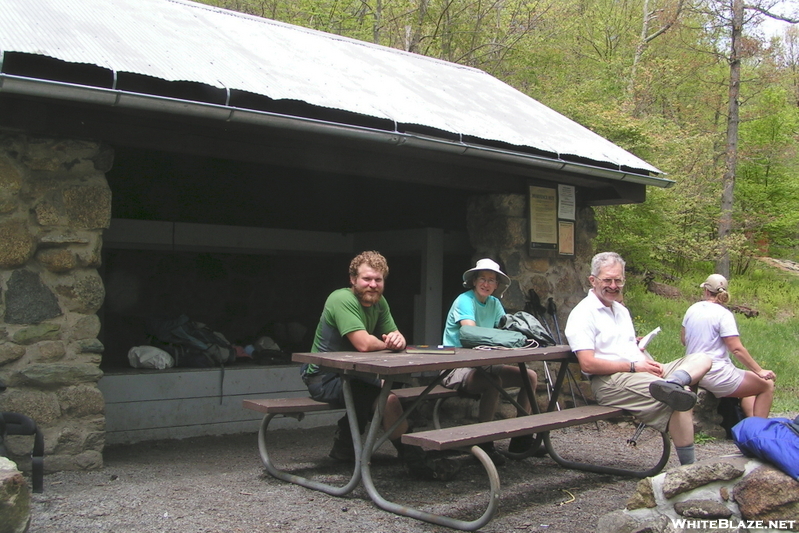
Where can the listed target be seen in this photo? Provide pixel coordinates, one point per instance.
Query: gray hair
(603, 259)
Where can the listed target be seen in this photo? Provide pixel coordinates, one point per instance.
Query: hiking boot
(343, 448)
(422, 465)
(520, 444)
(673, 395)
(497, 458)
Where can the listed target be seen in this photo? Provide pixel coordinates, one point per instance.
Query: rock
(18, 244)
(82, 290)
(768, 494)
(28, 300)
(37, 333)
(692, 476)
(41, 406)
(10, 352)
(62, 373)
(81, 400)
(90, 346)
(701, 495)
(87, 327)
(88, 206)
(707, 419)
(644, 497)
(15, 499)
(702, 509)
(47, 351)
(57, 259)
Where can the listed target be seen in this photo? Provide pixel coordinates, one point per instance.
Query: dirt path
(217, 484)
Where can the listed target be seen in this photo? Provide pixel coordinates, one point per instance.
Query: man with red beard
(358, 318)
(601, 333)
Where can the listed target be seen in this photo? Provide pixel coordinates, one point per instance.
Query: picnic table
(392, 367)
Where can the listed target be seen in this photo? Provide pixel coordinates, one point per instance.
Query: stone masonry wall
(54, 204)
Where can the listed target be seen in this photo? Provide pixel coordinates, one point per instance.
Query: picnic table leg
(309, 483)
(601, 469)
(411, 512)
(528, 389)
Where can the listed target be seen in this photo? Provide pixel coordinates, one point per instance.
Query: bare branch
(776, 16)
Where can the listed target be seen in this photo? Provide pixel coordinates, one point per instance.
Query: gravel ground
(218, 484)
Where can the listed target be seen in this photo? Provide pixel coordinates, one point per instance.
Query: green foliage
(703, 438)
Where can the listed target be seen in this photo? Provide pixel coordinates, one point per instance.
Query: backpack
(190, 343)
(775, 440)
(528, 325)
(476, 336)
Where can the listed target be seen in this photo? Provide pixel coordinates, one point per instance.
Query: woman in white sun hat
(480, 306)
(710, 328)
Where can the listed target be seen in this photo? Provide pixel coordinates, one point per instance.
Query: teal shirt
(343, 314)
(467, 307)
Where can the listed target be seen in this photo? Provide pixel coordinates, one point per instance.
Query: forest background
(697, 88)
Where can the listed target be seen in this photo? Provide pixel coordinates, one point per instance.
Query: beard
(367, 297)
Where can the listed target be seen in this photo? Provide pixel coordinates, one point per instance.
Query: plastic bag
(149, 357)
(473, 336)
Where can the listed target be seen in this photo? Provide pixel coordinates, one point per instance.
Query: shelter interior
(257, 292)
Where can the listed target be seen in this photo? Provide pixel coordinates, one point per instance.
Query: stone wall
(498, 228)
(54, 204)
(731, 493)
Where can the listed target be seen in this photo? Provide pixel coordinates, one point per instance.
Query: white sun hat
(503, 281)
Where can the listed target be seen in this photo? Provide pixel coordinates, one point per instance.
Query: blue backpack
(775, 440)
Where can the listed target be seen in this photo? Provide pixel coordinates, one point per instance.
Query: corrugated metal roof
(178, 40)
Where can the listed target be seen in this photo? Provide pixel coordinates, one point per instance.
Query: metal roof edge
(36, 87)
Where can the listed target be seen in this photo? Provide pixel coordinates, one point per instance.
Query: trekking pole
(538, 311)
(554, 313)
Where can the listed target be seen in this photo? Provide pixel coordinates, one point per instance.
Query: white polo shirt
(607, 330)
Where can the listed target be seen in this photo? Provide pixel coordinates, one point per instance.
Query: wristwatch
(632, 366)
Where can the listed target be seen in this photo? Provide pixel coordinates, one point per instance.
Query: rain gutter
(161, 104)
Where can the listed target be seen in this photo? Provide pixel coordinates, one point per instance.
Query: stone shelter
(164, 157)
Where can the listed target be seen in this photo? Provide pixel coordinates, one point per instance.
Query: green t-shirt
(343, 314)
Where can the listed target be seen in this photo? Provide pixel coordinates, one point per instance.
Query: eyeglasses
(487, 281)
(609, 282)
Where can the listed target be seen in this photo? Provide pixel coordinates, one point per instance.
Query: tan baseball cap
(715, 283)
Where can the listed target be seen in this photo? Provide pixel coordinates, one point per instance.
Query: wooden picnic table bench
(294, 406)
(542, 423)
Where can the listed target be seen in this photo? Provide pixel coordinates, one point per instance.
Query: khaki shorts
(456, 378)
(722, 379)
(630, 391)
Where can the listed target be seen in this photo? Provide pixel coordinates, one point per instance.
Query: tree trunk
(731, 158)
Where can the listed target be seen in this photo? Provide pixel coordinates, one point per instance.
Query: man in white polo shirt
(600, 332)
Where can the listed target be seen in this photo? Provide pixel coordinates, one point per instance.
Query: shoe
(497, 458)
(343, 448)
(673, 395)
(520, 444)
(421, 465)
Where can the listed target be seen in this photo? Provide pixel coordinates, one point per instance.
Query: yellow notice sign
(543, 218)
